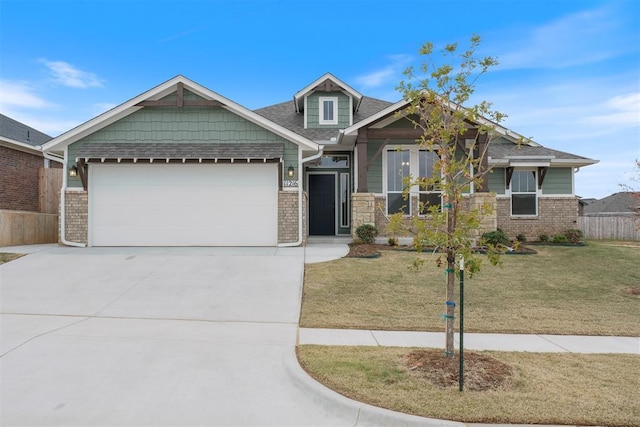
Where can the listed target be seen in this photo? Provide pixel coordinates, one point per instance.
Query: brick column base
(76, 216)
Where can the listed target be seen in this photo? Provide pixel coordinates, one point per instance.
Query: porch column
(484, 165)
(361, 152)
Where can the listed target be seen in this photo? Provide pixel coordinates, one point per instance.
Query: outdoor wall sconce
(73, 171)
(290, 171)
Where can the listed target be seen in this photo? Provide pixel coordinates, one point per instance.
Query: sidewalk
(473, 341)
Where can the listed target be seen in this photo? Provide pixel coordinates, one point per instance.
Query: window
(398, 167)
(344, 200)
(328, 110)
(400, 164)
(429, 195)
(524, 193)
(333, 161)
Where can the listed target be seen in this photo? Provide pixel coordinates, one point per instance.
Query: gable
(187, 125)
(179, 93)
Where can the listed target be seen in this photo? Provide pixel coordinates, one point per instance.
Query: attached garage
(181, 165)
(174, 198)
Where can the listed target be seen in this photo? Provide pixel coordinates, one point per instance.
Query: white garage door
(183, 204)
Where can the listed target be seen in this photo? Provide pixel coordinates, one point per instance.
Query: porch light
(73, 171)
(290, 171)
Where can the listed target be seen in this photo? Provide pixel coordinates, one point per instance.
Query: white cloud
(385, 75)
(581, 38)
(68, 75)
(623, 110)
(20, 94)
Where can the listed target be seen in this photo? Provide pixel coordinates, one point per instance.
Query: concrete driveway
(121, 336)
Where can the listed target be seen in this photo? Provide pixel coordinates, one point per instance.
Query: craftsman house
(181, 165)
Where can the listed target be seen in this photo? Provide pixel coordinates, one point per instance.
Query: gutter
(62, 160)
(301, 161)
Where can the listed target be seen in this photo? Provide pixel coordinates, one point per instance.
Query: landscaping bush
(393, 241)
(544, 238)
(559, 238)
(367, 233)
(521, 238)
(574, 235)
(496, 238)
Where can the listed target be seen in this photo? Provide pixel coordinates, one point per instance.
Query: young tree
(437, 94)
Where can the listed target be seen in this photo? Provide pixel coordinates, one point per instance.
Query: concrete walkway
(473, 341)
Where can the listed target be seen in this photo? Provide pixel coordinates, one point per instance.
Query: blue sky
(569, 73)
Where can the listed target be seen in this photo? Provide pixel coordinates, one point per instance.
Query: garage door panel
(183, 205)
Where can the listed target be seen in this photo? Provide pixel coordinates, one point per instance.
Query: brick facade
(288, 216)
(368, 208)
(555, 215)
(20, 183)
(77, 216)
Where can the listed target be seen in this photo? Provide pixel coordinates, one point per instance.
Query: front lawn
(588, 290)
(572, 389)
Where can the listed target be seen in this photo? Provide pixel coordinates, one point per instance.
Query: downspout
(301, 161)
(63, 240)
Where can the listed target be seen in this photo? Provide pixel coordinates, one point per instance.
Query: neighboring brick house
(20, 163)
(181, 165)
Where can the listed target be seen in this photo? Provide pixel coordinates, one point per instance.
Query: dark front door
(322, 205)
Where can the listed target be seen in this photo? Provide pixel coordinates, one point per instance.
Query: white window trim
(321, 101)
(538, 193)
(414, 169)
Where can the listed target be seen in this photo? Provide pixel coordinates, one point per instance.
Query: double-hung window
(429, 195)
(328, 110)
(400, 165)
(398, 171)
(524, 193)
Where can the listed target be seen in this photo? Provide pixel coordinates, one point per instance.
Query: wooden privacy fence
(49, 185)
(615, 227)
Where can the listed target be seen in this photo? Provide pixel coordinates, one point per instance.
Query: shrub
(367, 233)
(543, 238)
(496, 238)
(393, 241)
(521, 238)
(560, 238)
(574, 235)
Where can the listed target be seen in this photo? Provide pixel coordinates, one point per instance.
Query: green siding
(187, 124)
(403, 123)
(496, 181)
(557, 181)
(313, 110)
(374, 174)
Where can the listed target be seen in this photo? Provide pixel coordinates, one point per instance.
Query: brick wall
(488, 223)
(555, 215)
(77, 217)
(288, 216)
(19, 177)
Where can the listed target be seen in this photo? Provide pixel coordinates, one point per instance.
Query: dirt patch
(633, 291)
(364, 250)
(481, 372)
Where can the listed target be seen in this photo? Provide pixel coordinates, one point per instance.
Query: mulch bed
(481, 372)
(374, 250)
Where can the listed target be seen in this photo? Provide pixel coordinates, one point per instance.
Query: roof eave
(307, 89)
(20, 146)
(123, 110)
(538, 161)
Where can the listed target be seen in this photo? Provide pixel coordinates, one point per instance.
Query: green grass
(6, 257)
(560, 290)
(549, 388)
